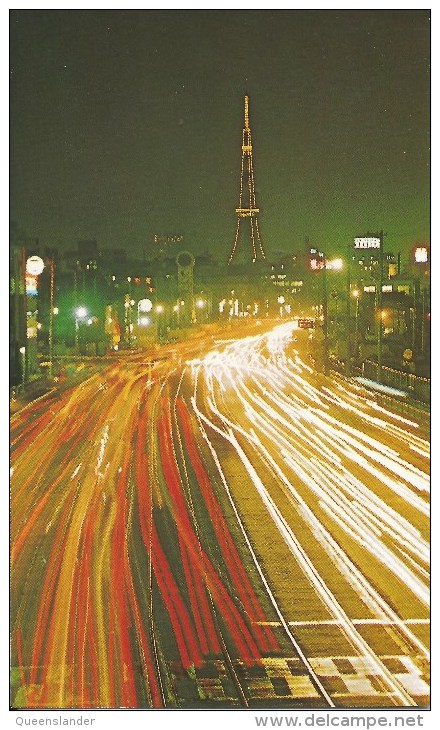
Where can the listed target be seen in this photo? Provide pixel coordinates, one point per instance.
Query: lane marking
(358, 621)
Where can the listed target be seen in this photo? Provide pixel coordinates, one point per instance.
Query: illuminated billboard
(367, 242)
(164, 239)
(421, 255)
(31, 285)
(316, 260)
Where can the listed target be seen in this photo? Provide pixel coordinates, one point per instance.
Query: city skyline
(126, 124)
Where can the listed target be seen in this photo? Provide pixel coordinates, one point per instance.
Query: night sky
(128, 123)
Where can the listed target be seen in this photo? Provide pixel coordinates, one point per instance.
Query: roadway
(220, 527)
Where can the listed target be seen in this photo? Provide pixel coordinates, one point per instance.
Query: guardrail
(417, 387)
(22, 388)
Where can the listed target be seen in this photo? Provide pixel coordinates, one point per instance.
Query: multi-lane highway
(223, 528)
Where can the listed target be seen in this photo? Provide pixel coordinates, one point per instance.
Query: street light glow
(145, 305)
(81, 312)
(34, 265)
(421, 255)
(335, 264)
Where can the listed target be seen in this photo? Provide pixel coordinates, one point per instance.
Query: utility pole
(24, 348)
(75, 306)
(51, 313)
(356, 327)
(348, 312)
(325, 315)
(379, 310)
(414, 318)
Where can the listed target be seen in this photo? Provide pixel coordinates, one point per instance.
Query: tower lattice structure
(247, 207)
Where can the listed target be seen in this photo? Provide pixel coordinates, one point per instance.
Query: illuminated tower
(247, 206)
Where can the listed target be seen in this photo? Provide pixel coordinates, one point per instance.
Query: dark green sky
(128, 123)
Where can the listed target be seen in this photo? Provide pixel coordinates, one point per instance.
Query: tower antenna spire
(247, 207)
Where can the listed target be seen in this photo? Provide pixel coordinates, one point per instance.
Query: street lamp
(281, 301)
(379, 309)
(325, 314)
(334, 264)
(160, 324)
(80, 314)
(35, 266)
(23, 365)
(356, 293)
(205, 298)
(176, 309)
(318, 262)
(201, 306)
